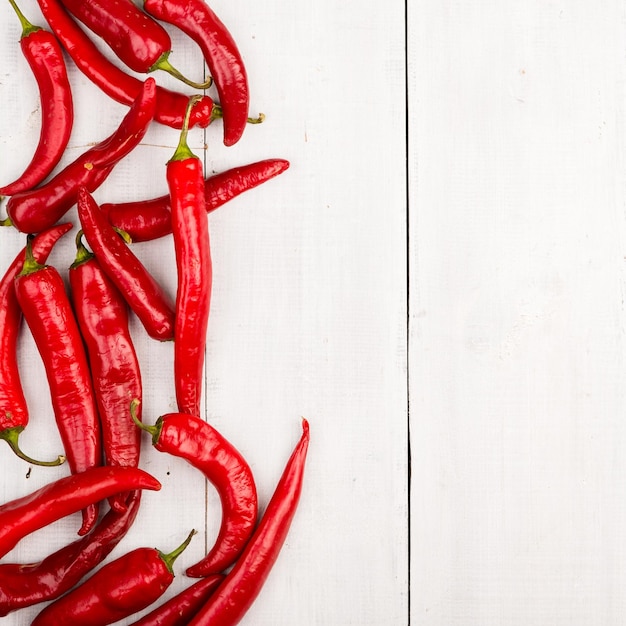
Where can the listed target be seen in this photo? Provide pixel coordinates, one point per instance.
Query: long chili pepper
(65, 496)
(102, 315)
(117, 590)
(26, 585)
(46, 307)
(199, 22)
(190, 227)
(118, 85)
(142, 292)
(203, 447)
(231, 600)
(151, 219)
(43, 53)
(13, 407)
(33, 211)
(138, 41)
(177, 611)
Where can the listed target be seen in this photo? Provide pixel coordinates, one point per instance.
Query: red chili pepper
(121, 87)
(231, 600)
(47, 310)
(142, 292)
(44, 55)
(102, 315)
(33, 211)
(117, 590)
(190, 226)
(203, 447)
(177, 611)
(199, 22)
(151, 219)
(65, 496)
(26, 585)
(138, 41)
(13, 407)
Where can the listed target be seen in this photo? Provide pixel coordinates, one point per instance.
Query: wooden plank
(309, 305)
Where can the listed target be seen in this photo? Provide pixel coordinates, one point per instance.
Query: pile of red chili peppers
(82, 332)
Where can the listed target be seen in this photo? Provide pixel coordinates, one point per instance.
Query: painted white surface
(517, 325)
(309, 304)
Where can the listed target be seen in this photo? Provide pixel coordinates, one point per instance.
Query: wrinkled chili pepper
(177, 611)
(102, 315)
(190, 227)
(13, 407)
(43, 53)
(25, 585)
(46, 307)
(140, 42)
(142, 292)
(151, 219)
(235, 595)
(33, 211)
(203, 447)
(118, 85)
(64, 496)
(120, 588)
(199, 22)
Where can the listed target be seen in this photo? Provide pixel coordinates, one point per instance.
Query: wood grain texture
(517, 312)
(308, 311)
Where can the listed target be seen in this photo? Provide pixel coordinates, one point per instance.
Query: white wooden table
(309, 309)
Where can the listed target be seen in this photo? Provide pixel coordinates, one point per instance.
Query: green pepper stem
(217, 113)
(27, 27)
(82, 254)
(31, 265)
(155, 430)
(6, 222)
(11, 436)
(183, 151)
(169, 558)
(163, 63)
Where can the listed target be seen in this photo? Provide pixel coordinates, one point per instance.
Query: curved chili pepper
(122, 587)
(13, 408)
(121, 87)
(26, 585)
(190, 226)
(203, 447)
(65, 496)
(151, 219)
(142, 292)
(199, 22)
(102, 315)
(33, 211)
(177, 611)
(43, 53)
(231, 600)
(140, 42)
(41, 294)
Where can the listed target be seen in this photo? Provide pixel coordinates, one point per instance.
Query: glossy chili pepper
(118, 85)
(203, 447)
(65, 496)
(235, 595)
(13, 407)
(139, 42)
(47, 310)
(26, 585)
(199, 22)
(33, 211)
(151, 219)
(102, 315)
(142, 292)
(177, 611)
(43, 53)
(122, 587)
(190, 227)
